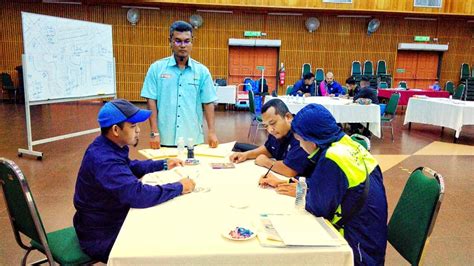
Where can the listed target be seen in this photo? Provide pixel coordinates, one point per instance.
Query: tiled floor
(52, 179)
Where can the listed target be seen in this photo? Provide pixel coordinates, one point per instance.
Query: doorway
(243, 62)
(418, 68)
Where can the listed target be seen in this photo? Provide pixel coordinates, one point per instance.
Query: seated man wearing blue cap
(346, 186)
(108, 182)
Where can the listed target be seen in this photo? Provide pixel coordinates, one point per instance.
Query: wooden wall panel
(464, 7)
(333, 46)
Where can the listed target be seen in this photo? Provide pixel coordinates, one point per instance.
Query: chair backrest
(356, 69)
(249, 84)
(344, 88)
(459, 92)
(252, 103)
(402, 84)
(381, 67)
(391, 108)
(449, 87)
(289, 88)
(305, 69)
(414, 216)
(362, 140)
(258, 85)
(6, 80)
(21, 207)
(319, 75)
(274, 93)
(368, 68)
(383, 85)
(465, 71)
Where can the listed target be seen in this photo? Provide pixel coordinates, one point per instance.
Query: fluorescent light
(215, 11)
(142, 7)
(414, 18)
(284, 14)
(353, 16)
(62, 2)
(470, 21)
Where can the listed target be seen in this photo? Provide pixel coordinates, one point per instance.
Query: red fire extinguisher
(282, 74)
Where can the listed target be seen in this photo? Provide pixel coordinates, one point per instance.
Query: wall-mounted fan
(196, 20)
(312, 24)
(133, 16)
(374, 24)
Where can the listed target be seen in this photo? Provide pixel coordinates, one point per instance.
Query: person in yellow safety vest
(346, 186)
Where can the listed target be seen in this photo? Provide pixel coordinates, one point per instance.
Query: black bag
(221, 82)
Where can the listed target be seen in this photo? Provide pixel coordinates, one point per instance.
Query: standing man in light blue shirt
(177, 88)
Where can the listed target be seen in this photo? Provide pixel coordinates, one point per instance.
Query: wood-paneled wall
(333, 46)
(465, 7)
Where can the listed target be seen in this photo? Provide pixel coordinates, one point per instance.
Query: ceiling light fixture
(215, 11)
(142, 7)
(354, 16)
(415, 18)
(284, 14)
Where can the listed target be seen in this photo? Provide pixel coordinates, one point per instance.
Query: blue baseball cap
(121, 110)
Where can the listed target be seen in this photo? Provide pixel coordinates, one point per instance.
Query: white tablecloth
(440, 112)
(343, 110)
(187, 229)
(226, 94)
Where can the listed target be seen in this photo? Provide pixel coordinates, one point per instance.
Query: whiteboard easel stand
(31, 143)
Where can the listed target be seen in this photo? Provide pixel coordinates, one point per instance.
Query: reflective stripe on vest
(350, 157)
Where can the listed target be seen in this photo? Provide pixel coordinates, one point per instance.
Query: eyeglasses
(182, 43)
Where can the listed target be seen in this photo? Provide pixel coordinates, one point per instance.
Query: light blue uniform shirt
(180, 94)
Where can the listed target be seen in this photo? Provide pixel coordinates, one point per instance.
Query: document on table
(304, 230)
(160, 153)
(170, 176)
(222, 151)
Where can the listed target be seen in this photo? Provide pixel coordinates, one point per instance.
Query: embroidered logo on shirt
(165, 76)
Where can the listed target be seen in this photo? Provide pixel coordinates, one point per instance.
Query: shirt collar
(174, 63)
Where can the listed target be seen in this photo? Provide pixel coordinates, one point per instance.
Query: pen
(269, 169)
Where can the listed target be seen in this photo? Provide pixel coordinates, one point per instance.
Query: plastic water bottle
(181, 153)
(190, 148)
(301, 189)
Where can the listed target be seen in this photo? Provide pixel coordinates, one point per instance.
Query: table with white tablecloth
(188, 229)
(443, 112)
(343, 110)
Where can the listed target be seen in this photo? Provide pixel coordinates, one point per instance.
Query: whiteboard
(66, 58)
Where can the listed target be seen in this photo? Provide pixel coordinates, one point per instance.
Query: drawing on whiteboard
(67, 58)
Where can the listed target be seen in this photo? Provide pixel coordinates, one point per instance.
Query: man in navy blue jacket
(108, 182)
(304, 86)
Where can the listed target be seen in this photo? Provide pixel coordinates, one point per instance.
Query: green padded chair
(465, 72)
(402, 84)
(319, 75)
(356, 71)
(289, 88)
(368, 68)
(256, 118)
(415, 215)
(390, 112)
(60, 246)
(383, 85)
(381, 68)
(449, 87)
(305, 69)
(362, 140)
(459, 92)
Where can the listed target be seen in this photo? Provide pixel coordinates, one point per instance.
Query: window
(338, 1)
(428, 3)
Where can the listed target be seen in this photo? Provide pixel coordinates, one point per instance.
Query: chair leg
(391, 128)
(23, 261)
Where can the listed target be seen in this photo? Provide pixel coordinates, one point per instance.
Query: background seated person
(304, 86)
(365, 92)
(291, 159)
(352, 87)
(330, 86)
